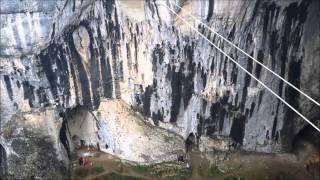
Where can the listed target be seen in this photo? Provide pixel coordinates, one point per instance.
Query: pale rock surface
(67, 53)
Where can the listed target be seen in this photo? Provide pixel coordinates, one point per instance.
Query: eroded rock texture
(56, 55)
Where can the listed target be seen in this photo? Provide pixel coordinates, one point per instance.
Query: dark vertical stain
(224, 71)
(129, 64)
(45, 60)
(28, 92)
(204, 78)
(146, 100)
(273, 46)
(258, 66)
(136, 53)
(106, 78)
(238, 129)
(42, 96)
(200, 126)
(210, 10)
(117, 24)
(247, 80)
(18, 84)
(236, 99)
(274, 127)
(53, 30)
(63, 136)
(62, 72)
(260, 98)
(176, 86)
(107, 82)
(232, 32)
(8, 86)
(234, 74)
(252, 108)
(94, 66)
(74, 5)
(157, 11)
(84, 80)
(188, 82)
(269, 12)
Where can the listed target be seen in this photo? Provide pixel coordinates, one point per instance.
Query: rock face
(116, 129)
(133, 139)
(56, 55)
(33, 150)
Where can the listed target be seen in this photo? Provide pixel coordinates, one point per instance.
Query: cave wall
(80, 52)
(210, 95)
(31, 148)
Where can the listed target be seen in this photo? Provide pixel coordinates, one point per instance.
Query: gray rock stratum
(59, 56)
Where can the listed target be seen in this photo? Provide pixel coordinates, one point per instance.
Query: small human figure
(81, 161)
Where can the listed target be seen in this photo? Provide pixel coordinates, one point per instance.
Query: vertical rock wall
(210, 95)
(62, 54)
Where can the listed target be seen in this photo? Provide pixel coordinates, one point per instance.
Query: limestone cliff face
(199, 91)
(210, 95)
(61, 54)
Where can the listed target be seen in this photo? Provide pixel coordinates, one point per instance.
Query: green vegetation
(141, 168)
(113, 176)
(258, 177)
(84, 171)
(182, 174)
(172, 171)
(214, 171)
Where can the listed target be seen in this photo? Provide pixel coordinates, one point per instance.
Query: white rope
(235, 46)
(252, 76)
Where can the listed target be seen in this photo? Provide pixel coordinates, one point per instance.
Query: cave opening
(63, 137)
(190, 142)
(79, 130)
(307, 142)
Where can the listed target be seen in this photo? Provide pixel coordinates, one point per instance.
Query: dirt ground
(223, 166)
(302, 164)
(255, 166)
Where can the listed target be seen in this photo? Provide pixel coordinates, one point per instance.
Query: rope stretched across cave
(245, 70)
(248, 55)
